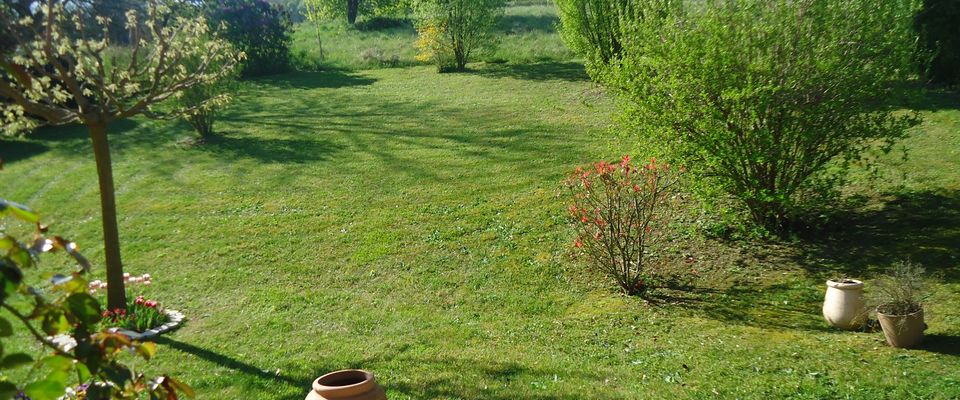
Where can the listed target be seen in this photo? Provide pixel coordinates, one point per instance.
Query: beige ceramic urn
(844, 306)
(350, 384)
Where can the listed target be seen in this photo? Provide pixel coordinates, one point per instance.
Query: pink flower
(151, 304)
(139, 300)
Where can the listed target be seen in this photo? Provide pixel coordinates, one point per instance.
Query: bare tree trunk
(116, 290)
(319, 39)
(353, 7)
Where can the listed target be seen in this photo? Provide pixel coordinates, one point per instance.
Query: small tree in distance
(56, 74)
(450, 31)
(318, 10)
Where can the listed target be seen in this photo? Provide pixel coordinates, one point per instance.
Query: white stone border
(175, 317)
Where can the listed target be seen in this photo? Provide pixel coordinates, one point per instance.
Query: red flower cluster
(140, 300)
(117, 313)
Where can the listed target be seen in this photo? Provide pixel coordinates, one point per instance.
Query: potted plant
(349, 384)
(900, 309)
(844, 306)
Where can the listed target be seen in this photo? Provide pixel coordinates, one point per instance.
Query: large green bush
(259, 29)
(938, 25)
(771, 99)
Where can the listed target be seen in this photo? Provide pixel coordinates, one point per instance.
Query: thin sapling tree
(58, 73)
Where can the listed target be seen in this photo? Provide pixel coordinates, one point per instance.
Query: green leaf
(118, 374)
(83, 373)
(100, 392)
(10, 272)
(58, 363)
(20, 257)
(44, 390)
(84, 307)
(54, 322)
(6, 329)
(19, 211)
(7, 242)
(147, 350)
(182, 387)
(15, 360)
(75, 284)
(7, 390)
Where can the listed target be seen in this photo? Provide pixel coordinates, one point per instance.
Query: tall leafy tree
(58, 74)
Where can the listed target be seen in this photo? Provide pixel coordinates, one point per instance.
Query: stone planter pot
(902, 331)
(844, 306)
(350, 384)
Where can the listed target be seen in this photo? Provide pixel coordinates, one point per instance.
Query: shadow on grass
(914, 96)
(228, 362)
(72, 138)
(13, 150)
(943, 344)
(423, 387)
(776, 306)
(544, 71)
(283, 151)
(922, 227)
(332, 79)
(441, 386)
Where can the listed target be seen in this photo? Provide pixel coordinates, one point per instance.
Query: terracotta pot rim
(920, 311)
(368, 380)
(845, 284)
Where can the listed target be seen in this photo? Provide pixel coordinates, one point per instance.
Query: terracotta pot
(903, 331)
(844, 306)
(348, 384)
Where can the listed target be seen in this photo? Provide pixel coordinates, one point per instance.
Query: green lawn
(412, 224)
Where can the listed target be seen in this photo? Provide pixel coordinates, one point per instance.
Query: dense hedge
(938, 25)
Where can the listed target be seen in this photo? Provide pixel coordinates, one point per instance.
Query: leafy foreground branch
(90, 370)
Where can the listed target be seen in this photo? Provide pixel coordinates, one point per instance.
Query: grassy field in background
(525, 34)
(412, 224)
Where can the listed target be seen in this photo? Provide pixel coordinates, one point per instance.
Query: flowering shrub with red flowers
(141, 314)
(621, 213)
